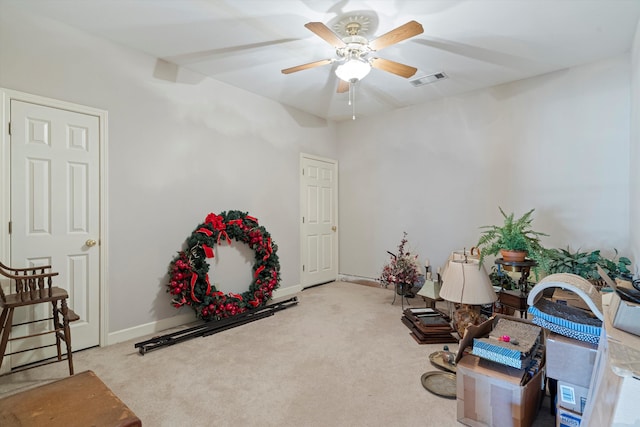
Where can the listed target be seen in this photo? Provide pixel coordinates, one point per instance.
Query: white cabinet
(615, 384)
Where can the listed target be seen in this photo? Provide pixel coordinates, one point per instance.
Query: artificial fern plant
(514, 235)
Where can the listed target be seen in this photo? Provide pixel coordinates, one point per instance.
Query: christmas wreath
(189, 279)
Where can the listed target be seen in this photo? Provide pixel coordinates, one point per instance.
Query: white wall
(557, 143)
(634, 182)
(177, 151)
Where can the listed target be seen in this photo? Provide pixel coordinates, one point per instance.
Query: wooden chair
(33, 286)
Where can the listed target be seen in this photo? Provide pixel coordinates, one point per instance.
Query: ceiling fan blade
(326, 34)
(393, 67)
(342, 86)
(403, 32)
(307, 66)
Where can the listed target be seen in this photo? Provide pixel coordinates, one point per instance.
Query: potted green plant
(501, 279)
(514, 240)
(585, 264)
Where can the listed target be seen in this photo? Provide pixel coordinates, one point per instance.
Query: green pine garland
(189, 280)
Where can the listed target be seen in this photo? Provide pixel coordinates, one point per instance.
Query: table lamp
(431, 287)
(467, 283)
(463, 255)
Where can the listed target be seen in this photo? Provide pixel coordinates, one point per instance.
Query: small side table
(516, 299)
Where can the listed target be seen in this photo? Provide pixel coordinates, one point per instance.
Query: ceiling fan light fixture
(353, 69)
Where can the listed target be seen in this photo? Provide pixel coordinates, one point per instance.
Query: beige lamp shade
(461, 255)
(465, 283)
(464, 254)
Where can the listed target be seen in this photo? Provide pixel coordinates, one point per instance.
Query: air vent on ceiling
(420, 81)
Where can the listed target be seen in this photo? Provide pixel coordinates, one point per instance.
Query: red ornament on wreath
(189, 271)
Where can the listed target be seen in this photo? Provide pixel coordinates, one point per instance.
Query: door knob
(333, 228)
(90, 243)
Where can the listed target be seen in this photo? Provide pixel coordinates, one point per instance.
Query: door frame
(6, 96)
(302, 192)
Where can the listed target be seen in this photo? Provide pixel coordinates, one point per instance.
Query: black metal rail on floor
(213, 326)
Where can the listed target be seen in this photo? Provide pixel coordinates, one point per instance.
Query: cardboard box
(625, 315)
(492, 394)
(572, 397)
(566, 297)
(570, 360)
(567, 418)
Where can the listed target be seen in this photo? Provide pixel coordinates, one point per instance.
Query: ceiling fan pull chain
(353, 102)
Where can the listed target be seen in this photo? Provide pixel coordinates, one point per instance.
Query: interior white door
(319, 226)
(55, 198)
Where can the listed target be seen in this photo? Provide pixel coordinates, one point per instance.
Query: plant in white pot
(514, 240)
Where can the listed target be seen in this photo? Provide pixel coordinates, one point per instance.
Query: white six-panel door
(55, 212)
(319, 222)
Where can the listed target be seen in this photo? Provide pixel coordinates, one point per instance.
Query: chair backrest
(31, 284)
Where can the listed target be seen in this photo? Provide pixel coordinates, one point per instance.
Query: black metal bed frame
(214, 326)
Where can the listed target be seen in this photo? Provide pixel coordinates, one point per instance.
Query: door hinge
(302, 172)
(9, 227)
(9, 128)
(303, 220)
(303, 267)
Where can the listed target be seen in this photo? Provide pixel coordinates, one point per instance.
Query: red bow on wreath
(217, 222)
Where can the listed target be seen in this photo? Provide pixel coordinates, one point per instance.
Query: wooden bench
(80, 400)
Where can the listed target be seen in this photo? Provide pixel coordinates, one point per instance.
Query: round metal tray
(440, 383)
(437, 360)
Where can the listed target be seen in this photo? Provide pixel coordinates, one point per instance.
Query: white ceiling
(245, 43)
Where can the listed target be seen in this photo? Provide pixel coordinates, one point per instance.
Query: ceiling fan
(354, 52)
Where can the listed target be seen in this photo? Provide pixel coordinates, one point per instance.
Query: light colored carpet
(341, 357)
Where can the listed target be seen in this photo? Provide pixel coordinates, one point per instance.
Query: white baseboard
(179, 320)
(349, 278)
(150, 328)
(286, 292)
